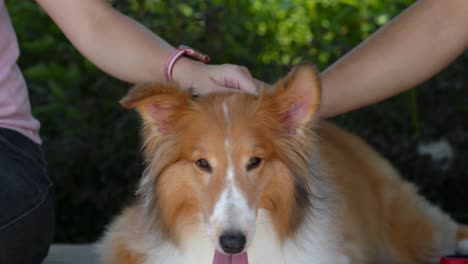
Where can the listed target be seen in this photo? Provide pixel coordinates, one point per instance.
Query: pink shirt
(15, 108)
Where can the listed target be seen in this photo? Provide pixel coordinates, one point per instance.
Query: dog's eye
(253, 163)
(203, 164)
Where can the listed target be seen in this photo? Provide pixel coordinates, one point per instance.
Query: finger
(243, 81)
(215, 89)
(248, 85)
(225, 81)
(244, 71)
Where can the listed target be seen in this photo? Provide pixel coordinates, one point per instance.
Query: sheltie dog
(238, 178)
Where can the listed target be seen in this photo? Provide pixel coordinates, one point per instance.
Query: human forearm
(114, 42)
(404, 53)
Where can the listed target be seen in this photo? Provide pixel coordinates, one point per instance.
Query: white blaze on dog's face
(230, 155)
(227, 154)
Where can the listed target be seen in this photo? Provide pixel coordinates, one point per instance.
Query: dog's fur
(319, 195)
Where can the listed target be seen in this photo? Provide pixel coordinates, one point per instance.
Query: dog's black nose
(232, 243)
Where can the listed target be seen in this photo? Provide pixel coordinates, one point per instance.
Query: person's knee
(27, 213)
(28, 239)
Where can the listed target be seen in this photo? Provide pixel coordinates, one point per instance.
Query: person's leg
(26, 201)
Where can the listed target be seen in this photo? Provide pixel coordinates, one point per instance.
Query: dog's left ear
(157, 104)
(297, 96)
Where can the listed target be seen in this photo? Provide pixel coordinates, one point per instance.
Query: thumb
(248, 85)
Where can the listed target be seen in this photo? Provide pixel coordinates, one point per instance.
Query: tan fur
(378, 216)
(462, 232)
(126, 256)
(116, 248)
(396, 220)
(277, 198)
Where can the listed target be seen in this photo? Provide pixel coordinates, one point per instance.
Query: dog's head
(221, 157)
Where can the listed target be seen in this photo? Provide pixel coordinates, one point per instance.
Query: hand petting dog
(205, 78)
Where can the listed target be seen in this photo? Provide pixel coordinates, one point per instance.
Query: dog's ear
(157, 104)
(297, 96)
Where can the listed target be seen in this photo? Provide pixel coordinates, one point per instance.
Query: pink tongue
(220, 258)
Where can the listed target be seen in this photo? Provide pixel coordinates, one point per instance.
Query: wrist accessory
(177, 54)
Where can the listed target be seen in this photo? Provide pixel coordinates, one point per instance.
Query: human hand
(205, 78)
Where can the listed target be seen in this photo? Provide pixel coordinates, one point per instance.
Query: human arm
(128, 51)
(405, 52)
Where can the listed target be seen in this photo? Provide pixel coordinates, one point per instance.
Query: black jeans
(27, 213)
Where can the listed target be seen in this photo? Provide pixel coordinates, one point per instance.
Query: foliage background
(92, 144)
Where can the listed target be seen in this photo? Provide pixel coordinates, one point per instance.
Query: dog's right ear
(157, 104)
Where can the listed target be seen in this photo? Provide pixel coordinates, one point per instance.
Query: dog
(237, 178)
